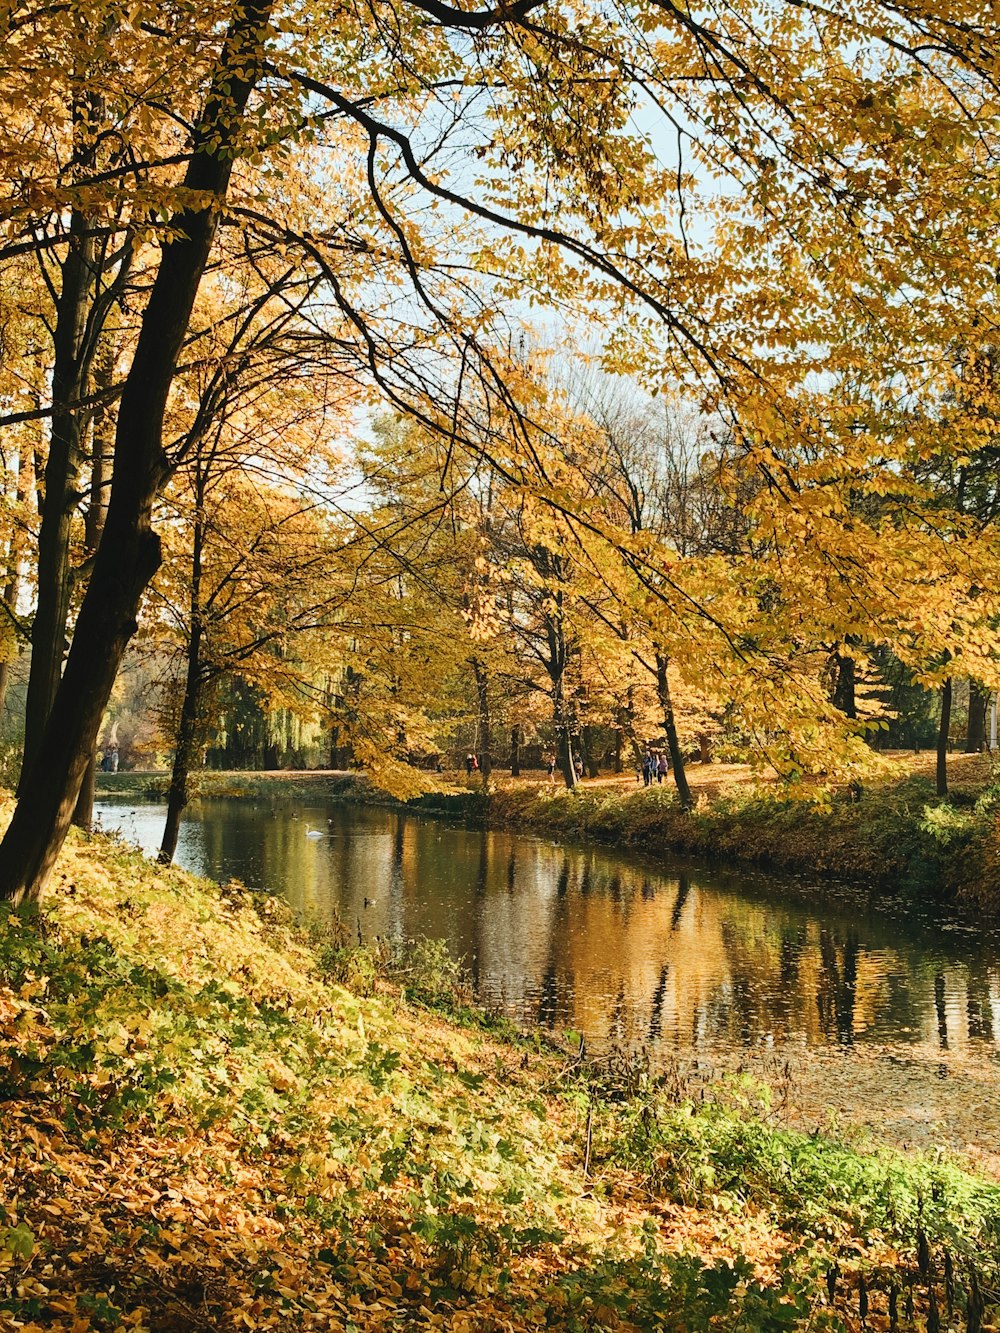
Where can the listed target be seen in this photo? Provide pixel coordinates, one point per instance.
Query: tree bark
(942, 741)
(101, 453)
(624, 728)
(844, 690)
(564, 750)
(185, 754)
(975, 734)
(129, 553)
(555, 665)
(588, 752)
(62, 468)
(515, 751)
(564, 740)
(15, 554)
(670, 727)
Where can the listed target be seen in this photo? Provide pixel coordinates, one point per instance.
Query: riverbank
(211, 1120)
(895, 834)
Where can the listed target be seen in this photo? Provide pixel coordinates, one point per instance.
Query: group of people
(550, 760)
(654, 768)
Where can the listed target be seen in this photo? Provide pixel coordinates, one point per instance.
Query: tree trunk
(844, 690)
(942, 742)
(670, 727)
(975, 735)
(102, 451)
(624, 728)
(129, 554)
(185, 755)
(485, 721)
(515, 751)
(186, 748)
(15, 554)
(588, 752)
(48, 634)
(556, 664)
(564, 741)
(564, 750)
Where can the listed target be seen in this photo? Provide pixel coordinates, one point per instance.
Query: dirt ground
(965, 771)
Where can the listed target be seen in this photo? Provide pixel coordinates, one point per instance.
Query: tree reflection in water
(624, 950)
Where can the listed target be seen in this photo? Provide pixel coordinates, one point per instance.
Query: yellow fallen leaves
(361, 1166)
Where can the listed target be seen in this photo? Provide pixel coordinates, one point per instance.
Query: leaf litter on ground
(203, 1130)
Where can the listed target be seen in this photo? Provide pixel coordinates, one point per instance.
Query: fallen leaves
(198, 1132)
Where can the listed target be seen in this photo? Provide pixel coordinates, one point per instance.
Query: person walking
(662, 766)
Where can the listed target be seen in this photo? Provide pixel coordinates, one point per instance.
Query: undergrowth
(898, 835)
(212, 1119)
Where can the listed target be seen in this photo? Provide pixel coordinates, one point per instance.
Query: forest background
(442, 379)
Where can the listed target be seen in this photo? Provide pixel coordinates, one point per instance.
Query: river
(887, 1015)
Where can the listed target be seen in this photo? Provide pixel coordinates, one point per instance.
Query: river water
(888, 1015)
(625, 949)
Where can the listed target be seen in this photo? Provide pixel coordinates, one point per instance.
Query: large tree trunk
(975, 734)
(48, 634)
(942, 741)
(515, 751)
(625, 730)
(102, 452)
(185, 754)
(129, 554)
(670, 727)
(844, 689)
(564, 750)
(564, 739)
(588, 752)
(558, 658)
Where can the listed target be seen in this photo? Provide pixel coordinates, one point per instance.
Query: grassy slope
(201, 1130)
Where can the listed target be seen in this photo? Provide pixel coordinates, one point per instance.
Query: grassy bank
(298, 786)
(213, 1121)
(897, 834)
(279, 785)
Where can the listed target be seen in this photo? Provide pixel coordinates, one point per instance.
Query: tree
(837, 136)
(129, 554)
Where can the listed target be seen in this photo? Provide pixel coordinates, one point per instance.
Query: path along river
(886, 1017)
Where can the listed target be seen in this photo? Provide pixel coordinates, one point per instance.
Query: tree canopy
(783, 217)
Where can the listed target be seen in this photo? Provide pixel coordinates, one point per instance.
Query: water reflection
(620, 950)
